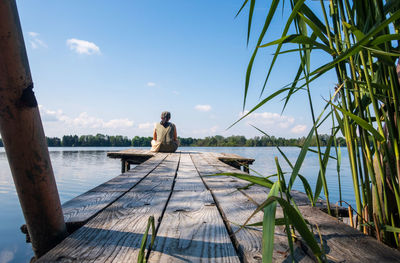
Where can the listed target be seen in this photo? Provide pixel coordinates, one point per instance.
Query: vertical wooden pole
(351, 217)
(366, 219)
(246, 167)
(123, 165)
(24, 140)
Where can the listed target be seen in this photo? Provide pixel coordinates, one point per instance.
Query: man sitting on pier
(165, 138)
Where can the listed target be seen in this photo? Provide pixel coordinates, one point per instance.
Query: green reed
(362, 40)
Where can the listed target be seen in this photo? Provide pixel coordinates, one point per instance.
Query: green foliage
(150, 223)
(360, 41)
(141, 141)
(89, 140)
(54, 142)
(292, 217)
(213, 141)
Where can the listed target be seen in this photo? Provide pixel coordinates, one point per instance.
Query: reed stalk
(362, 38)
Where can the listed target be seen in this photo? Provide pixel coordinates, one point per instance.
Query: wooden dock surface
(197, 217)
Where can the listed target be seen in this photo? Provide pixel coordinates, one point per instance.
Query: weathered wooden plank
(187, 178)
(114, 235)
(207, 165)
(259, 194)
(236, 208)
(343, 243)
(192, 230)
(127, 180)
(162, 178)
(131, 153)
(83, 207)
(215, 161)
(232, 159)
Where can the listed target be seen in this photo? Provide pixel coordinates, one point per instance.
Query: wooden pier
(197, 217)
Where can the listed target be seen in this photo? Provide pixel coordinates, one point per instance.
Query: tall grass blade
(250, 178)
(241, 8)
(363, 123)
(141, 257)
(299, 39)
(269, 226)
(301, 158)
(270, 97)
(293, 14)
(299, 223)
(251, 10)
(268, 20)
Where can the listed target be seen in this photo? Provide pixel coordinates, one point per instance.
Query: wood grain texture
(131, 153)
(114, 235)
(187, 178)
(83, 207)
(192, 230)
(213, 159)
(207, 165)
(162, 178)
(237, 208)
(127, 180)
(343, 243)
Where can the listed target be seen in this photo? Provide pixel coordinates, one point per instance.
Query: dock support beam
(125, 165)
(24, 140)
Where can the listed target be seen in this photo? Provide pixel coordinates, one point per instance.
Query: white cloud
(33, 34)
(146, 125)
(7, 255)
(83, 46)
(270, 119)
(202, 107)
(151, 84)
(83, 120)
(35, 41)
(299, 128)
(118, 123)
(50, 115)
(275, 124)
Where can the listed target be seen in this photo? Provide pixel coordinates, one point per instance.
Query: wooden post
(246, 167)
(366, 219)
(123, 165)
(351, 217)
(24, 140)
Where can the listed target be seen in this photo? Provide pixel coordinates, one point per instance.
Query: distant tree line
(212, 141)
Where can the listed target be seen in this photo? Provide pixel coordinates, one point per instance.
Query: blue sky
(113, 66)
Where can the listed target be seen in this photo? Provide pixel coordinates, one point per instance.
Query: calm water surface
(79, 169)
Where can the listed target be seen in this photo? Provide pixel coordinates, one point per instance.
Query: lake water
(79, 169)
